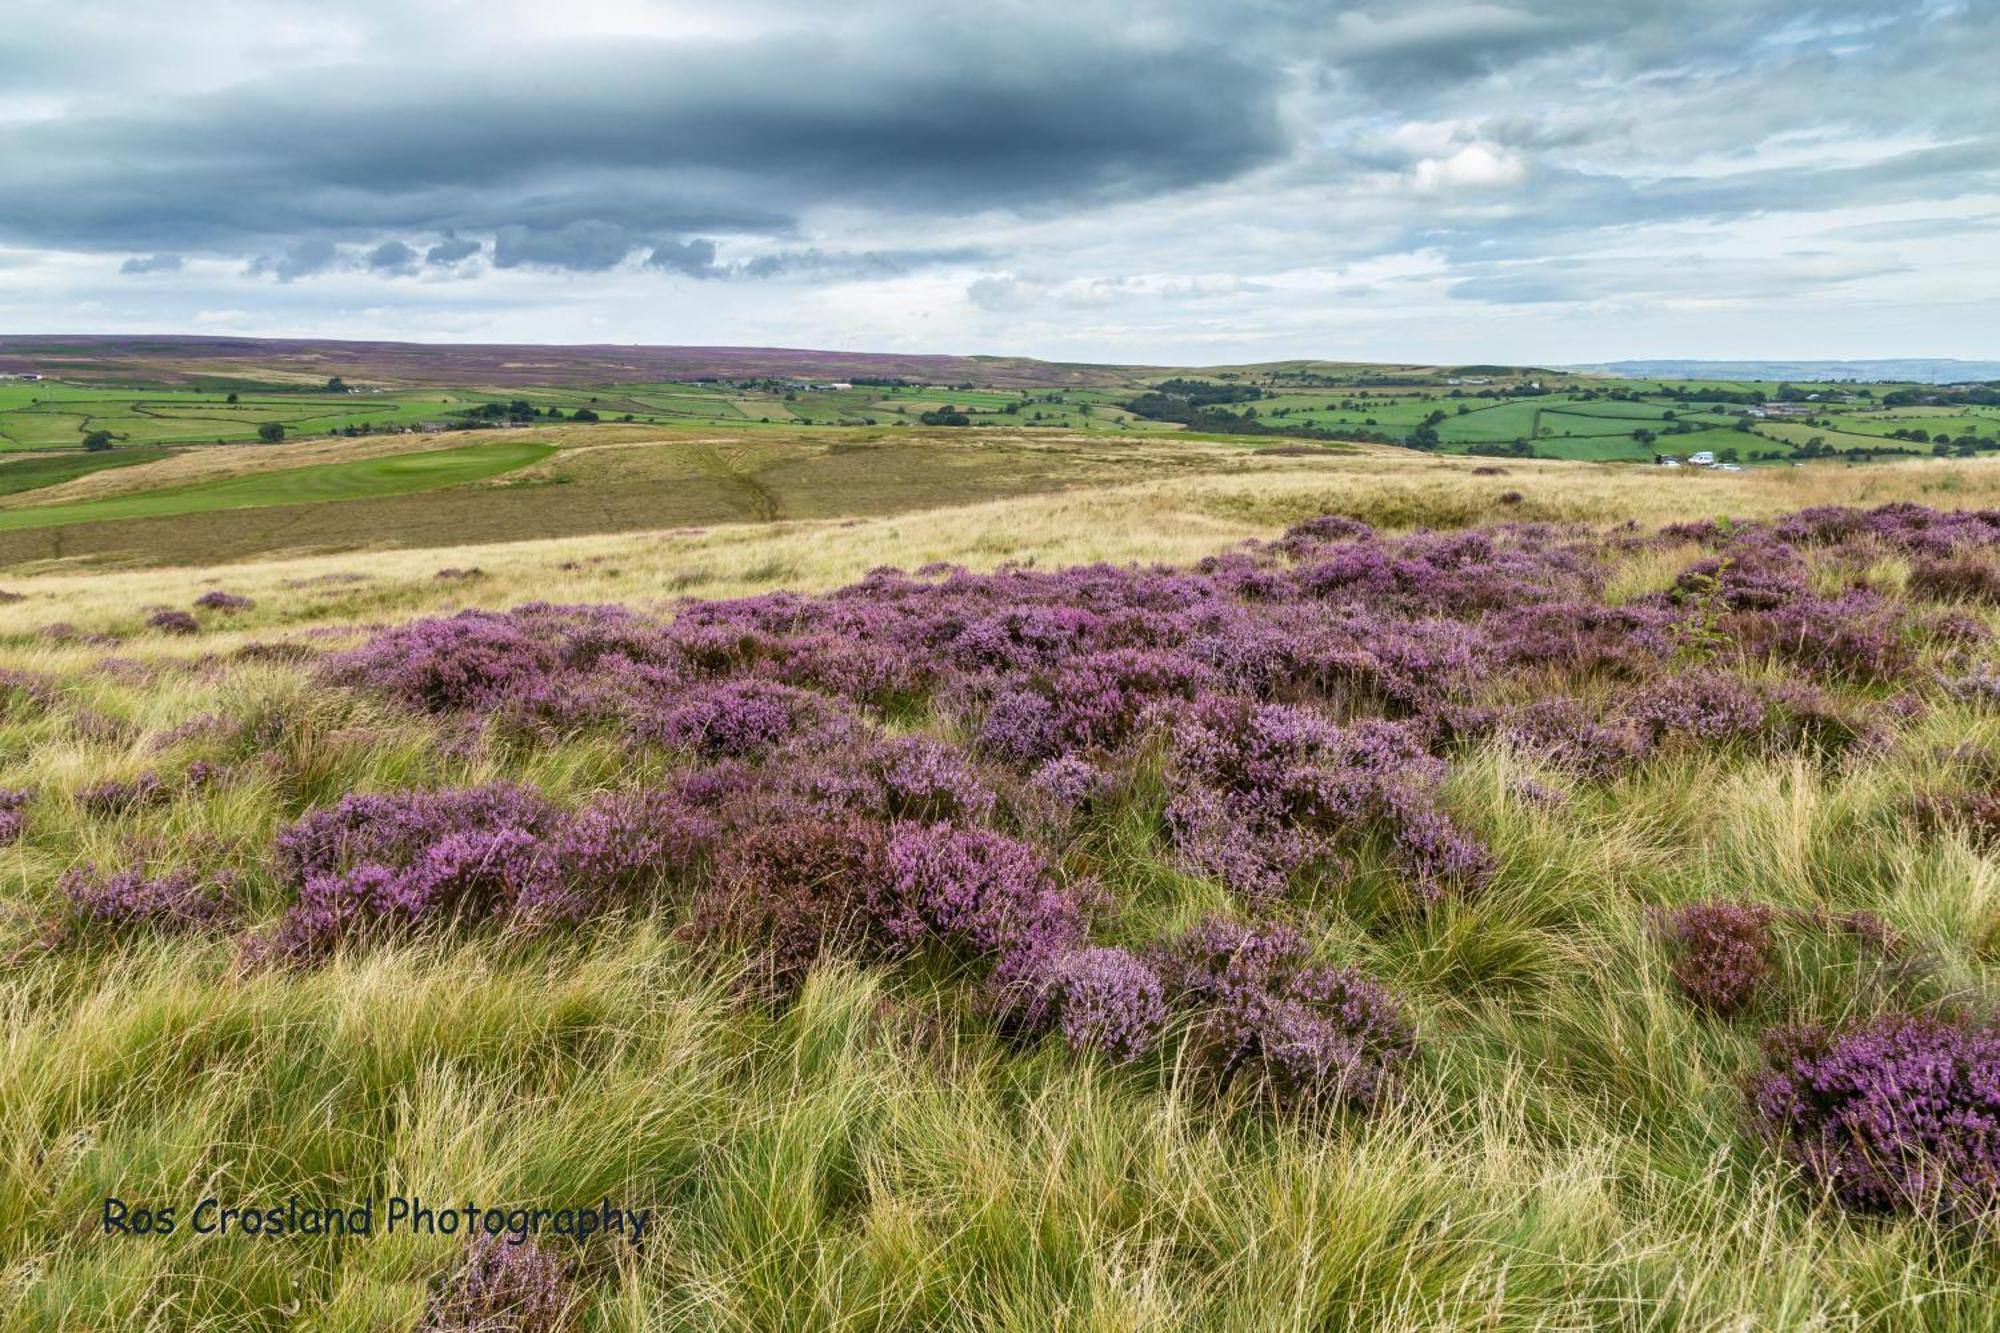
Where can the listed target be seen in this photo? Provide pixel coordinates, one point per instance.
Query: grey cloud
(1387, 47)
(452, 250)
(651, 138)
(584, 246)
(303, 259)
(162, 263)
(695, 259)
(392, 257)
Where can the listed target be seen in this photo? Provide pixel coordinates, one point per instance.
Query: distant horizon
(1986, 368)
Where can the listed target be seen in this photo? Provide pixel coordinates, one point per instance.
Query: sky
(1169, 182)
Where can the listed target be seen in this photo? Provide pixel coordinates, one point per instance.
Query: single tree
(271, 432)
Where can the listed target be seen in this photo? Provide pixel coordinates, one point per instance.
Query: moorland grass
(1573, 1152)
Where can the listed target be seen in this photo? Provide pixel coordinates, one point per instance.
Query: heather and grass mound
(1296, 874)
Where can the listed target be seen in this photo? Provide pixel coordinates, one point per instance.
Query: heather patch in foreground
(1899, 1113)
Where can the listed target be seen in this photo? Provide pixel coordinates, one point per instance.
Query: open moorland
(1001, 880)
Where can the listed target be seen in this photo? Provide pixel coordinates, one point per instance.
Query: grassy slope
(876, 1158)
(397, 474)
(602, 479)
(34, 473)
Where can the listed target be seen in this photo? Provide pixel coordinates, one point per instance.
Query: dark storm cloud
(151, 264)
(642, 140)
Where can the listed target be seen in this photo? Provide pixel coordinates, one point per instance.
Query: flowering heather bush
(1973, 813)
(24, 693)
(1705, 707)
(795, 892)
(503, 1287)
(1725, 952)
(396, 827)
(1899, 526)
(1312, 1036)
(1957, 578)
(13, 814)
(479, 659)
(1107, 1000)
(1093, 703)
(1069, 781)
(984, 892)
(168, 621)
(1326, 530)
(217, 600)
(732, 719)
(1855, 636)
(131, 899)
(116, 796)
(1564, 733)
(1263, 789)
(925, 779)
(415, 860)
(1752, 577)
(1437, 858)
(1902, 1113)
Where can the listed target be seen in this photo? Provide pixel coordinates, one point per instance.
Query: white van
(1706, 458)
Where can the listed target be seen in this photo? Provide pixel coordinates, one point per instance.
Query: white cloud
(1473, 167)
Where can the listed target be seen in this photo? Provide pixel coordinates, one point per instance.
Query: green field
(39, 470)
(373, 478)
